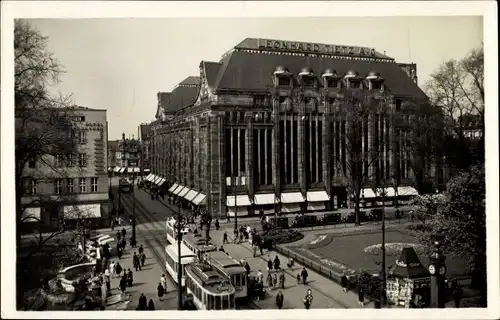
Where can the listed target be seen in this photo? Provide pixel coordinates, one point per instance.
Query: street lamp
(179, 265)
(383, 298)
(133, 208)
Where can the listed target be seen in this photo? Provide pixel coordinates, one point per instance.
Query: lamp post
(235, 202)
(133, 208)
(179, 265)
(437, 269)
(383, 297)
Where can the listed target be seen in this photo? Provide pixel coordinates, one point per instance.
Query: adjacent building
(144, 136)
(127, 156)
(66, 188)
(257, 129)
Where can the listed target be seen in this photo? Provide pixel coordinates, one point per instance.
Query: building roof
(113, 145)
(163, 98)
(184, 95)
(250, 71)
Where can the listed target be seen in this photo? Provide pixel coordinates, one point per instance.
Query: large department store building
(259, 124)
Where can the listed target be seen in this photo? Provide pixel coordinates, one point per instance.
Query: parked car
(305, 221)
(331, 218)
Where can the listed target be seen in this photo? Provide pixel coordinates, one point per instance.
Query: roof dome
(351, 74)
(306, 71)
(373, 75)
(281, 69)
(329, 72)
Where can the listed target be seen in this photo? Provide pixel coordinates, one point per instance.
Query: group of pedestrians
(143, 304)
(139, 260)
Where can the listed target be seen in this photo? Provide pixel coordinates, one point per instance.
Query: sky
(120, 64)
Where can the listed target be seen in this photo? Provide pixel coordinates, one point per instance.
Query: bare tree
(360, 163)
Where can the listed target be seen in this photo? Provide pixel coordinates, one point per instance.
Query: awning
(130, 169)
(109, 168)
(148, 176)
(267, 198)
(137, 169)
(240, 213)
(122, 170)
(31, 214)
(161, 182)
(178, 189)
(368, 193)
(407, 191)
(290, 207)
(240, 200)
(147, 170)
(172, 188)
(317, 196)
(316, 206)
(199, 199)
(183, 192)
(191, 195)
(82, 211)
(157, 178)
(269, 211)
(151, 177)
(292, 197)
(116, 169)
(389, 192)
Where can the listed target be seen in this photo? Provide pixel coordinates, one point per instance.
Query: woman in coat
(130, 278)
(361, 297)
(279, 300)
(151, 305)
(161, 291)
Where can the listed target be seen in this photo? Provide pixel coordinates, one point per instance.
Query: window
(83, 185)
(218, 302)
(82, 137)
(332, 83)
(93, 185)
(58, 186)
(69, 185)
(354, 84)
(32, 163)
(58, 160)
(309, 81)
(283, 81)
(259, 100)
(71, 159)
(376, 85)
(33, 187)
(82, 160)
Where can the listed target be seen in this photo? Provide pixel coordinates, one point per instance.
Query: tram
(171, 229)
(124, 185)
(172, 256)
(232, 269)
(197, 244)
(210, 288)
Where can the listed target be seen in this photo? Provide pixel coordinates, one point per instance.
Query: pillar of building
(326, 145)
(222, 165)
(249, 157)
(301, 140)
(276, 147)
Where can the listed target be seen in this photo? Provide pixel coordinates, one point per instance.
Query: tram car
(124, 185)
(210, 288)
(171, 230)
(231, 269)
(197, 244)
(172, 258)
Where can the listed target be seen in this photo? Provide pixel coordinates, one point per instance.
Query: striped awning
(122, 170)
(116, 169)
(368, 193)
(292, 197)
(191, 195)
(161, 182)
(183, 192)
(199, 199)
(157, 178)
(178, 189)
(148, 177)
(268, 198)
(172, 188)
(239, 200)
(317, 196)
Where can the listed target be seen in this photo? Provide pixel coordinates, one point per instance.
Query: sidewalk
(326, 293)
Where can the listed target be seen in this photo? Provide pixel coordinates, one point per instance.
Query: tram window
(210, 302)
(218, 302)
(237, 280)
(225, 302)
(243, 280)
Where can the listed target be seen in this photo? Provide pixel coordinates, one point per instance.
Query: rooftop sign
(309, 47)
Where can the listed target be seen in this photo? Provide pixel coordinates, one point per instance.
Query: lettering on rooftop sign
(318, 48)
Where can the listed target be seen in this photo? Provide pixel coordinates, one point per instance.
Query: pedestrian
(457, 295)
(269, 265)
(143, 302)
(141, 249)
(118, 269)
(133, 242)
(161, 291)
(130, 278)
(279, 300)
(260, 277)
(118, 236)
(163, 282)
(298, 278)
(269, 280)
(124, 232)
(235, 232)
(143, 258)
(123, 283)
(135, 262)
(276, 263)
(254, 250)
(217, 225)
(151, 305)
(343, 283)
(119, 252)
(308, 299)
(247, 268)
(112, 269)
(107, 279)
(361, 297)
(261, 247)
(304, 275)
(224, 238)
(124, 243)
(282, 280)
(221, 249)
(275, 280)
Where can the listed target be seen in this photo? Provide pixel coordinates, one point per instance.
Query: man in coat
(279, 300)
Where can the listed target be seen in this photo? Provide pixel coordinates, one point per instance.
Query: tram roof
(197, 241)
(224, 261)
(172, 251)
(212, 279)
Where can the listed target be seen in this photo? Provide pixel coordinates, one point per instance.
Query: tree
(458, 87)
(421, 126)
(460, 217)
(356, 112)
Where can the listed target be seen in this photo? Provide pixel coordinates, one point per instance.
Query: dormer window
(375, 81)
(330, 79)
(332, 83)
(282, 77)
(352, 80)
(307, 77)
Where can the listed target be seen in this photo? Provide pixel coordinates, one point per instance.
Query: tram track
(250, 304)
